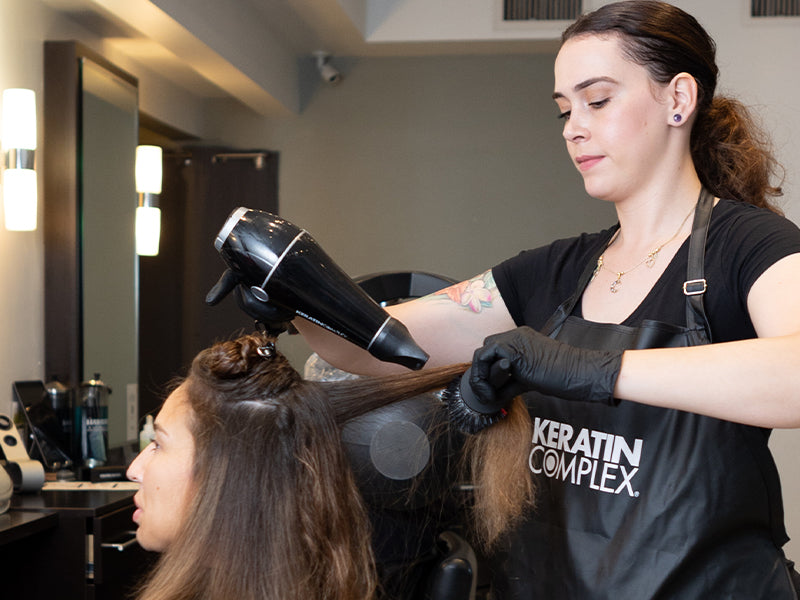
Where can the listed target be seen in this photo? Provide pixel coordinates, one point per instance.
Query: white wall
(23, 27)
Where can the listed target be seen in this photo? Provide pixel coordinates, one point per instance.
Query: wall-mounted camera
(327, 72)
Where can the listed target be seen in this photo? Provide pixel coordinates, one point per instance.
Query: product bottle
(147, 433)
(60, 397)
(92, 421)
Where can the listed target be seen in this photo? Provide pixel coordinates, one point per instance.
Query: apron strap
(695, 286)
(552, 325)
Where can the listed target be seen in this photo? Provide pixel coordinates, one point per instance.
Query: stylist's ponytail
(732, 154)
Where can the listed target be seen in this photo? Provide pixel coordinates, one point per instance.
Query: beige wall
(440, 164)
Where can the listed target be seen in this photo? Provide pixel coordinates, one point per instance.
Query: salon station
(416, 140)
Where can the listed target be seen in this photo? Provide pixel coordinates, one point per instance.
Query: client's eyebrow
(160, 429)
(585, 84)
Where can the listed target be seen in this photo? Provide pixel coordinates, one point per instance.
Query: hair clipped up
(238, 370)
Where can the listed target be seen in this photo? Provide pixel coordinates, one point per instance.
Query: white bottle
(147, 433)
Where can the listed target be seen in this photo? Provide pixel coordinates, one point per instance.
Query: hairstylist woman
(657, 352)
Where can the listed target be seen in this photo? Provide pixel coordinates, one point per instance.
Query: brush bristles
(461, 416)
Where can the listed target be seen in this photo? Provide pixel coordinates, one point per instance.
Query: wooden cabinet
(89, 553)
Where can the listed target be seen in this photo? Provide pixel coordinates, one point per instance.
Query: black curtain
(201, 187)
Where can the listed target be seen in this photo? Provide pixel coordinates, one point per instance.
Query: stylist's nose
(136, 468)
(574, 129)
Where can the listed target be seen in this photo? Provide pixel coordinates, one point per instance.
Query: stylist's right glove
(275, 319)
(545, 365)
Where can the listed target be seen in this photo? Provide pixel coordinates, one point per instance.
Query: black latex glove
(275, 319)
(545, 365)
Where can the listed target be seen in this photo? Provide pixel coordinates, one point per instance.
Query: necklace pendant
(617, 282)
(598, 267)
(650, 261)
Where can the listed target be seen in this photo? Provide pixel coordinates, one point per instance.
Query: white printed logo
(603, 461)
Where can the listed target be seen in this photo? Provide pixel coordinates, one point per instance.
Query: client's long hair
(494, 461)
(276, 513)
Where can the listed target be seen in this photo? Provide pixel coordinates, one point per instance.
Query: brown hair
(731, 152)
(277, 513)
(494, 460)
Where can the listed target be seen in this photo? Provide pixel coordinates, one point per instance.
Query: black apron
(638, 502)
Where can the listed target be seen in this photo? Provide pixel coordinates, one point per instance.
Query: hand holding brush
(542, 364)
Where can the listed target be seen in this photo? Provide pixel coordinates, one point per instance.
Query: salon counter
(73, 544)
(18, 525)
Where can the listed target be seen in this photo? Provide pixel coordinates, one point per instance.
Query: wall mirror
(91, 268)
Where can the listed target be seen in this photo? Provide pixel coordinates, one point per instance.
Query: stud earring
(677, 118)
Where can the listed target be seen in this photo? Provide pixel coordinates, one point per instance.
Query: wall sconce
(19, 149)
(148, 185)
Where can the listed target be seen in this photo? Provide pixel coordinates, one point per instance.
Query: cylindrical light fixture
(19, 149)
(148, 185)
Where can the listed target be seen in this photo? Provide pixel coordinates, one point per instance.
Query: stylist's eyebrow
(159, 429)
(585, 84)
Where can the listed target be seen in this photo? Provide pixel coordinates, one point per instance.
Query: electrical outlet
(132, 419)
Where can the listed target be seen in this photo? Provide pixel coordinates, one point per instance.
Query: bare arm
(756, 382)
(448, 325)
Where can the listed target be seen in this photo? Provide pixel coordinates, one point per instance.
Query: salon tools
(27, 475)
(281, 264)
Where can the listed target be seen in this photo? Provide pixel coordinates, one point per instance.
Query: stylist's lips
(586, 162)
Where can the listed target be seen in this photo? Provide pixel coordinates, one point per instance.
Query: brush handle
(499, 374)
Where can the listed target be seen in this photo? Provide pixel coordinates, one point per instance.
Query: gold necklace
(649, 260)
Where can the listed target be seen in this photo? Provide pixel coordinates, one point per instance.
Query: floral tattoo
(474, 295)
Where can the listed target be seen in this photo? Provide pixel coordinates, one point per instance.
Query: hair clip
(267, 350)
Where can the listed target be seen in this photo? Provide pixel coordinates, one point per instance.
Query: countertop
(35, 512)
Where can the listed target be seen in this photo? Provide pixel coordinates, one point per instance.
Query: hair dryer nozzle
(393, 343)
(283, 265)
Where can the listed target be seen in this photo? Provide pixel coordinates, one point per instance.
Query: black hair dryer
(282, 264)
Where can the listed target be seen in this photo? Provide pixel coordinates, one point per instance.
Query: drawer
(117, 563)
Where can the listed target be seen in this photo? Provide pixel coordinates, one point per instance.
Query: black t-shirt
(743, 242)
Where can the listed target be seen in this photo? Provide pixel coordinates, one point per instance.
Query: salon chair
(402, 473)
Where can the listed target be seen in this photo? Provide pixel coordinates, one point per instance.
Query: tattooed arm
(448, 325)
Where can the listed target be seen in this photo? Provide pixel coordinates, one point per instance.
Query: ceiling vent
(543, 10)
(775, 8)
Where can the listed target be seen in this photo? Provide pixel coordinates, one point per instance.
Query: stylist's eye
(599, 103)
(564, 115)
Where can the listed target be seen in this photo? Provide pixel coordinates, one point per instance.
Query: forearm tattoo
(474, 295)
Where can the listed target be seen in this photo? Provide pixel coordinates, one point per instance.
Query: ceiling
(255, 50)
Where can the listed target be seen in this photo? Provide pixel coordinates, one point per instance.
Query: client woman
(247, 491)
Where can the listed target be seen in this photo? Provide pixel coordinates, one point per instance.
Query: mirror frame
(61, 203)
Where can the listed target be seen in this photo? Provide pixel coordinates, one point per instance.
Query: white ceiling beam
(239, 57)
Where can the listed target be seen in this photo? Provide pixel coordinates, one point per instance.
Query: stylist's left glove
(545, 365)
